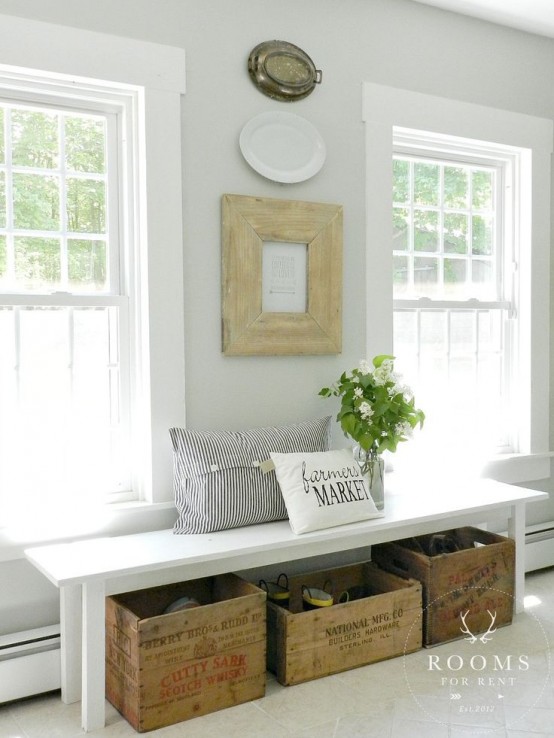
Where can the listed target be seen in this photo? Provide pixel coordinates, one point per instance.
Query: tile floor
(400, 698)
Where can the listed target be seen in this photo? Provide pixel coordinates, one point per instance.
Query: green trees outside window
(53, 201)
(443, 229)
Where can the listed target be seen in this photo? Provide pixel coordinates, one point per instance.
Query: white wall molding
(47, 48)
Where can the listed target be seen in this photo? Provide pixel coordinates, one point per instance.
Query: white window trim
(385, 108)
(63, 55)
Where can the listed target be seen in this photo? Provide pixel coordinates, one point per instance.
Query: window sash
(110, 419)
(63, 406)
(444, 159)
(477, 410)
(110, 178)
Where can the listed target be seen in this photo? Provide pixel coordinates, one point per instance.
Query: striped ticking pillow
(221, 478)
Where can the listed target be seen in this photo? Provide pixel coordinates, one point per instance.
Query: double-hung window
(91, 281)
(64, 303)
(455, 311)
(458, 250)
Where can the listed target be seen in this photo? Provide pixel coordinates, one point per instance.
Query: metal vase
(372, 467)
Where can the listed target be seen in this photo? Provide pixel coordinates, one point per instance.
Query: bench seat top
(407, 513)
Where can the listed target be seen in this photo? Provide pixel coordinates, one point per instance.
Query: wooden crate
(161, 669)
(307, 645)
(475, 583)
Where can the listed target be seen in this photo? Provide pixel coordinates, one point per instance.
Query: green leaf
(378, 360)
(348, 423)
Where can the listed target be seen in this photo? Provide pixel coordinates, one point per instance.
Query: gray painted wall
(393, 42)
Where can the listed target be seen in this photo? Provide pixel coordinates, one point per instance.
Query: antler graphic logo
(472, 638)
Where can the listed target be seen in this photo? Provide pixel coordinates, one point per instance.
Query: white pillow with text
(323, 489)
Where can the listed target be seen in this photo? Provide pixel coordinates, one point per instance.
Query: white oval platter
(282, 146)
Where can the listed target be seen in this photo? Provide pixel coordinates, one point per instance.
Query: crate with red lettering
(467, 576)
(372, 615)
(184, 650)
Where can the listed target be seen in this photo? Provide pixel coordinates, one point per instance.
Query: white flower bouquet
(377, 410)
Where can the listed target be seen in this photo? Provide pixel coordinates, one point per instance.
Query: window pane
(482, 272)
(482, 242)
(86, 206)
(3, 257)
(405, 332)
(462, 376)
(455, 233)
(91, 364)
(462, 332)
(43, 360)
(36, 202)
(426, 184)
(2, 200)
(84, 144)
(2, 146)
(490, 331)
(455, 187)
(433, 373)
(482, 184)
(489, 375)
(455, 276)
(401, 181)
(37, 262)
(34, 139)
(426, 275)
(401, 221)
(400, 274)
(426, 230)
(7, 341)
(87, 264)
(433, 332)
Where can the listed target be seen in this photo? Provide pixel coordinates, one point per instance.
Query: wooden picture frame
(248, 331)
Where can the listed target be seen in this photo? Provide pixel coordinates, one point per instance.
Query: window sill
(109, 520)
(134, 517)
(518, 468)
(508, 468)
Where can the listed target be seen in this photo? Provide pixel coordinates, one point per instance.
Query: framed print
(284, 277)
(281, 276)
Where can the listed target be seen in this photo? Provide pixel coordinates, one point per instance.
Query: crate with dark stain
(467, 576)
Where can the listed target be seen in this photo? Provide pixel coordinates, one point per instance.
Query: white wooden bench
(86, 571)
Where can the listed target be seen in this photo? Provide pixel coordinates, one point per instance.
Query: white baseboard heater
(539, 546)
(29, 663)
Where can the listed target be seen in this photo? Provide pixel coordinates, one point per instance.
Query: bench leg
(94, 648)
(516, 530)
(70, 621)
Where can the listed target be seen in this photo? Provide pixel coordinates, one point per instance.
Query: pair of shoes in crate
(437, 544)
(278, 591)
(312, 597)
